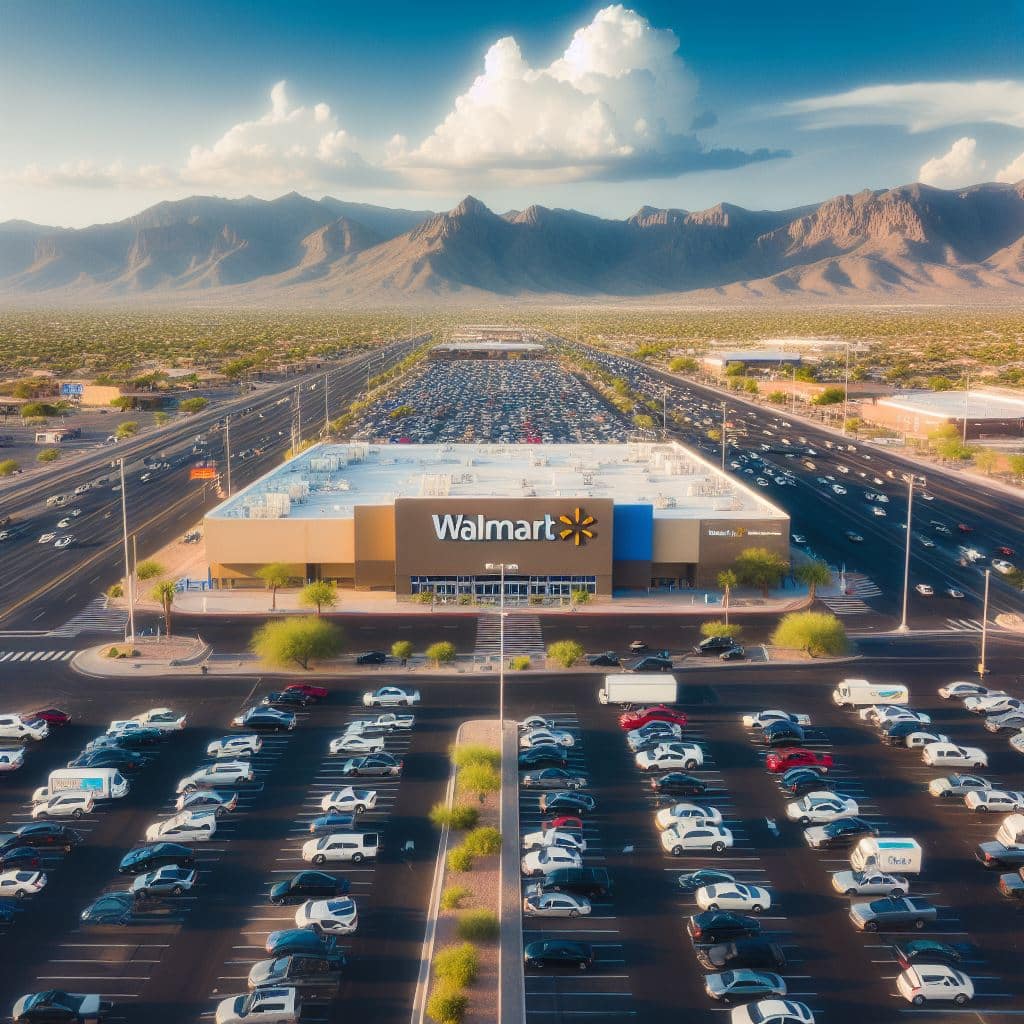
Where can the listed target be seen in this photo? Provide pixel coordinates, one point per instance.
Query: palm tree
(164, 593)
(726, 579)
(815, 574)
(275, 575)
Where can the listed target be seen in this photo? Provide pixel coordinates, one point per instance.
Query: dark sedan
(606, 660)
(372, 658)
(652, 663)
(782, 734)
(542, 756)
(131, 740)
(926, 951)
(679, 782)
(713, 926)
(285, 700)
(56, 1007)
(840, 833)
(309, 885)
(567, 801)
(331, 823)
(20, 858)
(155, 855)
(742, 953)
(691, 881)
(109, 757)
(110, 908)
(800, 781)
(264, 719)
(558, 953)
(554, 778)
(299, 940)
(40, 834)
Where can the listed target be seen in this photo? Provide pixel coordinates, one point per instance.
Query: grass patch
(452, 897)
(483, 842)
(460, 859)
(457, 965)
(478, 925)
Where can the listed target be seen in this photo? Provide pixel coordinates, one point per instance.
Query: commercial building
(483, 349)
(918, 413)
(752, 359)
(597, 517)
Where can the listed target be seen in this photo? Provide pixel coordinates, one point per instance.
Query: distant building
(918, 413)
(58, 435)
(758, 359)
(483, 348)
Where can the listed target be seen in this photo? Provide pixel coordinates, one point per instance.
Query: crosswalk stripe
(40, 656)
(18, 656)
(96, 617)
(5, 655)
(67, 654)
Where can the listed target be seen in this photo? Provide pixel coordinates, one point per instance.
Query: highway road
(823, 516)
(45, 587)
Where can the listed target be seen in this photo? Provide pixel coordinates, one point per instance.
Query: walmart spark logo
(576, 528)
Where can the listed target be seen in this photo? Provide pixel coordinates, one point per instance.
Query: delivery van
(899, 856)
(632, 689)
(99, 783)
(854, 693)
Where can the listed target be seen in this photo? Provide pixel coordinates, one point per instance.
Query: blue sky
(109, 106)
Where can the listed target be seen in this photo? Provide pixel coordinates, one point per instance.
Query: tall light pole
(129, 579)
(846, 388)
(227, 448)
(903, 627)
(327, 408)
(723, 437)
(984, 627)
(502, 568)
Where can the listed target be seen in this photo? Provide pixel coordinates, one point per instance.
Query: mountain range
(898, 243)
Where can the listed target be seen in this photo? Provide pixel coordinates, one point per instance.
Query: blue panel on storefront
(634, 533)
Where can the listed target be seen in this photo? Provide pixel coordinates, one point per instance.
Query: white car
(184, 827)
(391, 697)
(555, 904)
(161, 718)
(71, 804)
(733, 896)
(385, 722)
(667, 756)
(923, 737)
(952, 755)
(349, 799)
(168, 880)
(689, 814)
(261, 1006)
(763, 718)
(220, 773)
(877, 510)
(820, 808)
(925, 983)
(63, 542)
(664, 732)
(543, 862)
(1003, 800)
(962, 689)
(1016, 742)
(235, 746)
(356, 743)
(679, 839)
(924, 589)
(535, 722)
(21, 883)
(993, 704)
(881, 714)
(559, 737)
(869, 883)
(63, 524)
(838, 488)
(958, 785)
(554, 837)
(772, 1011)
(1002, 567)
(47, 538)
(328, 917)
(12, 760)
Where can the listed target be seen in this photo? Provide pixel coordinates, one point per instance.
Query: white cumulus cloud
(619, 102)
(1013, 171)
(916, 106)
(958, 166)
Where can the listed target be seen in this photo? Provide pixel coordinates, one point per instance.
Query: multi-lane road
(45, 586)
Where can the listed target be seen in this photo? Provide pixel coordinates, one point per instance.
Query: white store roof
(328, 480)
(753, 355)
(975, 405)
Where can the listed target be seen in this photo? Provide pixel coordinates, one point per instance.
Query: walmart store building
(606, 518)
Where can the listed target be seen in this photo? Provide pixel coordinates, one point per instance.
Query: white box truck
(896, 856)
(631, 689)
(859, 693)
(99, 783)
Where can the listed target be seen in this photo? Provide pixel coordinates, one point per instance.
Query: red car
(1005, 551)
(657, 713)
(964, 528)
(783, 760)
(51, 716)
(566, 821)
(307, 690)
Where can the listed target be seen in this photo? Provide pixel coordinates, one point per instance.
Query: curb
(511, 997)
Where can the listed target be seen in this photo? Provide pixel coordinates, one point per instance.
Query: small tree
(8, 467)
(123, 402)
(817, 633)
(441, 653)
(160, 418)
(1016, 464)
(717, 628)
(274, 575)
(149, 569)
(296, 641)
(319, 594)
(814, 574)
(164, 593)
(777, 397)
(759, 567)
(475, 753)
(853, 424)
(192, 405)
(402, 650)
(565, 652)
(48, 455)
(580, 596)
(478, 925)
(830, 396)
(985, 459)
(127, 429)
(726, 580)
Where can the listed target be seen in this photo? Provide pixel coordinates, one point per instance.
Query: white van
(99, 783)
(64, 805)
(14, 727)
(853, 693)
(351, 846)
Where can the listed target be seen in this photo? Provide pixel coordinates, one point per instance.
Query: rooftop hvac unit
(324, 464)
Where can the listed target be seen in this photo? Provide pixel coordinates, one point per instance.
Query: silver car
(742, 984)
(556, 904)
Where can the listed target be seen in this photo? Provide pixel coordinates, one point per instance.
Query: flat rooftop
(753, 355)
(482, 345)
(975, 405)
(328, 480)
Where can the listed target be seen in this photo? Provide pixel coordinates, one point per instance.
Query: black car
(312, 973)
(853, 537)
(553, 778)
(264, 719)
(155, 855)
(782, 734)
(542, 756)
(713, 926)
(110, 908)
(285, 699)
(109, 757)
(299, 940)
(735, 653)
(309, 885)
(372, 658)
(652, 663)
(558, 953)
(39, 834)
(566, 801)
(56, 1007)
(845, 832)
(129, 740)
(679, 782)
(714, 645)
(21, 857)
(691, 881)
(729, 956)
(609, 659)
(926, 951)
(335, 822)
(580, 881)
(800, 781)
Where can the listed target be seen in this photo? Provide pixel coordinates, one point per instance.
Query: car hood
(262, 973)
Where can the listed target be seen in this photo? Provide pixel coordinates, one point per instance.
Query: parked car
(558, 953)
(110, 908)
(840, 833)
(316, 973)
(54, 1006)
(166, 881)
(391, 696)
(773, 1011)
(714, 645)
(308, 885)
(926, 983)
(869, 883)
(264, 719)
(678, 783)
(754, 953)
(892, 912)
(267, 1006)
(349, 799)
(554, 778)
(743, 984)
(556, 904)
(958, 785)
(372, 658)
(372, 764)
(691, 881)
(155, 855)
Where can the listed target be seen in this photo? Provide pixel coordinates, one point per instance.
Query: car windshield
(341, 906)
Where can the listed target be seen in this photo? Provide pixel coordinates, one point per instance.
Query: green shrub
(465, 599)
(402, 650)
(475, 753)
(113, 653)
(583, 596)
(447, 1005)
(457, 965)
(719, 628)
(460, 859)
(442, 652)
(478, 925)
(479, 778)
(483, 842)
(565, 652)
(817, 633)
(149, 569)
(453, 896)
(520, 663)
(459, 816)
(7, 467)
(48, 455)
(115, 590)
(425, 597)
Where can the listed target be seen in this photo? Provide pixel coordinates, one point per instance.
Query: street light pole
(327, 408)
(723, 437)
(846, 388)
(501, 567)
(127, 565)
(984, 627)
(227, 448)
(903, 627)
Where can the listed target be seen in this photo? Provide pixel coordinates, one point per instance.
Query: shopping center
(605, 518)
